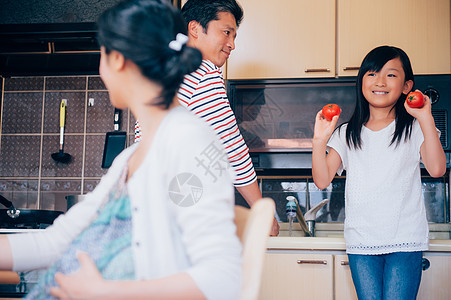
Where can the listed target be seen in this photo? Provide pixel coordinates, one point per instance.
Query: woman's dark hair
(141, 31)
(204, 11)
(374, 62)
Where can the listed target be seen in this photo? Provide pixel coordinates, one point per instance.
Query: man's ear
(194, 28)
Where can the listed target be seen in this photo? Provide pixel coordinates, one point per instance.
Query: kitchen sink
(437, 231)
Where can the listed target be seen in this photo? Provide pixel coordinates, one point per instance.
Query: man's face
(218, 41)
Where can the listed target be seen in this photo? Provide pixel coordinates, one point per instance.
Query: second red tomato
(415, 99)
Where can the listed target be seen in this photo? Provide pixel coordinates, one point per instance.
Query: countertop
(329, 236)
(333, 243)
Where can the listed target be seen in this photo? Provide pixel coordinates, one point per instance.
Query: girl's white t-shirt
(384, 205)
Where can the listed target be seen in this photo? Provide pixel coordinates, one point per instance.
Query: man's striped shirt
(203, 92)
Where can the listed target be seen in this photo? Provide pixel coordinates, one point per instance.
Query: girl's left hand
(86, 283)
(420, 112)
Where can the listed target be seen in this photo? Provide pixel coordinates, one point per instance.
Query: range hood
(48, 49)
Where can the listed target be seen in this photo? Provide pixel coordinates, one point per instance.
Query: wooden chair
(253, 228)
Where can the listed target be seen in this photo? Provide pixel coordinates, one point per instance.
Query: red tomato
(331, 110)
(415, 99)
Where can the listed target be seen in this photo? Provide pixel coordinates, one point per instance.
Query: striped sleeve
(137, 132)
(203, 92)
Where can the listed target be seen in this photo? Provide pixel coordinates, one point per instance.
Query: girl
(380, 148)
(159, 225)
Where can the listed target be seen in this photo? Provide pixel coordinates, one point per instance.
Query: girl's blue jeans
(387, 276)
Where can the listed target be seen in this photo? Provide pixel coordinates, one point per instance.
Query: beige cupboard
(435, 281)
(344, 287)
(421, 28)
(290, 274)
(306, 276)
(283, 39)
(297, 276)
(328, 38)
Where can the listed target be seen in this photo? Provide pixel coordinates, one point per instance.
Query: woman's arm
(431, 150)
(324, 167)
(6, 257)
(87, 283)
(37, 250)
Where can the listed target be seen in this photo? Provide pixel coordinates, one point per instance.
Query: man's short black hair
(204, 11)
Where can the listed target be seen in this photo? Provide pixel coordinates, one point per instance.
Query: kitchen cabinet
(420, 28)
(325, 38)
(293, 273)
(297, 275)
(344, 287)
(283, 39)
(435, 280)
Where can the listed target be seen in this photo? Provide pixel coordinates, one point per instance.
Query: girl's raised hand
(421, 112)
(324, 128)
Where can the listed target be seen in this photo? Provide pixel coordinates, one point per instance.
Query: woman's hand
(324, 128)
(86, 283)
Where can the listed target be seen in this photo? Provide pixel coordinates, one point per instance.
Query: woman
(160, 222)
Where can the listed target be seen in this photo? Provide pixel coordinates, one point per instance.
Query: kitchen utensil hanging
(114, 141)
(60, 156)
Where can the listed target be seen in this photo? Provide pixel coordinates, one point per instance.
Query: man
(212, 28)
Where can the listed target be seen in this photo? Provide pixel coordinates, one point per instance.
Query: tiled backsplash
(29, 177)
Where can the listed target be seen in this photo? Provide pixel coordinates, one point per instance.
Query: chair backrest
(253, 228)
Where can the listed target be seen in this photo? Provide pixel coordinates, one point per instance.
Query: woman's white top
(182, 203)
(384, 204)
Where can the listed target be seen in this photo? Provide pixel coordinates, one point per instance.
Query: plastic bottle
(290, 209)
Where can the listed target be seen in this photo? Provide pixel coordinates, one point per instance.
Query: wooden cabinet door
(297, 276)
(344, 288)
(435, 281)
(421, 28)
(284, 39)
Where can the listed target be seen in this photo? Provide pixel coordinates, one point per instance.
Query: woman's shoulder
(184, 125)
(122, 157)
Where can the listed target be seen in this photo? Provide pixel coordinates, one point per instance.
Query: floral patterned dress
(107, 241)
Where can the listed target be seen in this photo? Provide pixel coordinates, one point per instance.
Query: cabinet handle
(49, 47)
(312, 262)
(344, 263)
(53, 50)
(351, 68)
(317, 70)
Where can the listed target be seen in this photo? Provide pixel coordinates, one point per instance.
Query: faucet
(310, 216)
(308, 220)
(12, 212)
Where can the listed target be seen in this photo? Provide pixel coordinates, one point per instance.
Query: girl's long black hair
(373, 62)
